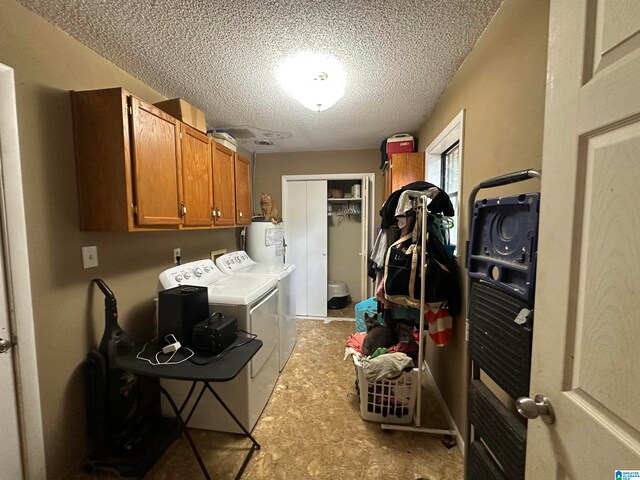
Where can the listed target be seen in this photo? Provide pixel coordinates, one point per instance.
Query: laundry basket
(387, 400)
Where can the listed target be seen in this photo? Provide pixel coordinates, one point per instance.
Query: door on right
(587, 314)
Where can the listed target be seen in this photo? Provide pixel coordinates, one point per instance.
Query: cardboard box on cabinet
(185, 112)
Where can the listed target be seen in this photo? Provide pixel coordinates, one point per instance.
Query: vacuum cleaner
(125, 428)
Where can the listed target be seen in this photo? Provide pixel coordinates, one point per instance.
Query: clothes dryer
(239, 263)
(253, 301)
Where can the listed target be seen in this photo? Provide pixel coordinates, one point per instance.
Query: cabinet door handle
(219, 213)
(183, 209)
(239, 213)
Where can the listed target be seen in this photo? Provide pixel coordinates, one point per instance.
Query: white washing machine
(254, 302)
(239, 263)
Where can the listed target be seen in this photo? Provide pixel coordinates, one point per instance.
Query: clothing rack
(420, 207)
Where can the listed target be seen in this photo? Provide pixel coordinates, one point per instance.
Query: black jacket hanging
(440, 204)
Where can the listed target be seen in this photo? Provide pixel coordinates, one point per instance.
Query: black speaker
(179, 309)
(215, 334)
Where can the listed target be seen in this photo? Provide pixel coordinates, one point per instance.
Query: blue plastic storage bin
(369, 306)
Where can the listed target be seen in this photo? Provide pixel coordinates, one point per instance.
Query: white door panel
(10, 456)
(10, 453)
(365, 281)
(295, 219)
(586, 333)
(317, 248)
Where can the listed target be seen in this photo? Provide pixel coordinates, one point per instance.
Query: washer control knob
(197, 272)
(178, 278)
(187, 275)
(207, 268)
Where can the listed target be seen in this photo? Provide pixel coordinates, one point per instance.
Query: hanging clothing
(398, 243)
(440, 202)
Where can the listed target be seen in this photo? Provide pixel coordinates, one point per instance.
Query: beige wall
(501, 86)
(68, 311)
(270, 167)
(344, 239)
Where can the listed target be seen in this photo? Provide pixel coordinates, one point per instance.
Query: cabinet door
(156, 165)
(196, 177)
(224, 199)
(103, 159)
(406, 168)
(387, 183)
(243, 191)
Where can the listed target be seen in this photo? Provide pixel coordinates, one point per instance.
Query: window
(450, 182)
(444, 164)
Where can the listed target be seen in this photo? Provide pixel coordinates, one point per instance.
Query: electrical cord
(168, 360)
(215, 358)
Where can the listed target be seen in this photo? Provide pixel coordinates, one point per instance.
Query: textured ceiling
(222, 56)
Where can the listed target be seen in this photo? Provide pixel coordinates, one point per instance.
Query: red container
(400, 143)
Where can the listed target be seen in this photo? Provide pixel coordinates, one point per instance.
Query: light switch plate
(89, 257)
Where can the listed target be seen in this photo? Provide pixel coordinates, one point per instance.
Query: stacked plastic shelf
(501, 264)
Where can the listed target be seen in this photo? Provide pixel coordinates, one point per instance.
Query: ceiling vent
(240, 133)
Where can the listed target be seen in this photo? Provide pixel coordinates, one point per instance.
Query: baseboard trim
(447, 413)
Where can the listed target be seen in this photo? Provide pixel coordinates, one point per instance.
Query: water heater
(265, 242)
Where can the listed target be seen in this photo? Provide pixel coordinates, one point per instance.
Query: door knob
(5, 345)
(540, 406)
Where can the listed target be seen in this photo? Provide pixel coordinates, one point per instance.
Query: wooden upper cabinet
(156, 161)
(127, 160)
(140, 169)
(243, 191)
(224, 198)
(403, 168)
(197, 180)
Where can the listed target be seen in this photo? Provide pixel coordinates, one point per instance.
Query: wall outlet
(89, 257)
(176, 256)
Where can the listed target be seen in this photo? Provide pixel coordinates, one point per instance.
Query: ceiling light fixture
(317, 81)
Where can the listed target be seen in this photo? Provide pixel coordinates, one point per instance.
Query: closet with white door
(344, 232)
(326, 230)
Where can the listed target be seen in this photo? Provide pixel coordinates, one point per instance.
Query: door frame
(18, 283)
(366, 288)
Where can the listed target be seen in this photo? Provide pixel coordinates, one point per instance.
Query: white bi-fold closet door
(305, 214)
